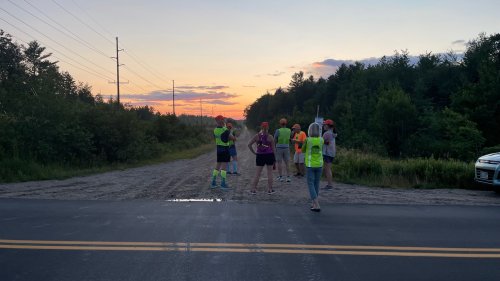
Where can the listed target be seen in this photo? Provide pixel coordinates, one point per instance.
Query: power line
(143, 78)
(127, 51)
(54, 40)
(74, 36)
(90, 70)
(81, 21)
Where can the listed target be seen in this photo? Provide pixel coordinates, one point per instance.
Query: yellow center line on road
(252, 248)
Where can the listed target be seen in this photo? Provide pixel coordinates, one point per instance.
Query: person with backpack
(264, 157)
(222, 137)
(313, 158)
(282, 141)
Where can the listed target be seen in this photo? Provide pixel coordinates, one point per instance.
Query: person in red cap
(329, 150)
(282, 140)
(298, 139)
(222, 137)
(264, 156)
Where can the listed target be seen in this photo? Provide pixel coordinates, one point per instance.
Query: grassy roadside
(356, 167)
(19, 170)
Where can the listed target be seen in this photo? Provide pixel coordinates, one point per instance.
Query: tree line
(441, 106)
(47, 117)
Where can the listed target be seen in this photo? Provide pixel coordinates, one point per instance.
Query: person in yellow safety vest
(232, 152)
(222, 137)
(282, 140)
(313, 158)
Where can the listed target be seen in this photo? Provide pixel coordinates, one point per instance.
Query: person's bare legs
(256, 178)
(328, 173)
(302, 169)
(269, 178)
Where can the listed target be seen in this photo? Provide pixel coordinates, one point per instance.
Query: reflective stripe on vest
(314, 155)
(217, 134)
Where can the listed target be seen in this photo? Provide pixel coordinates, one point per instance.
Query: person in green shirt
(313, 159)
(282, 140)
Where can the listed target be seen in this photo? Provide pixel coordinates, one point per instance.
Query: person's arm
(276, 135)
(273, 145)
(251, 142)
(232, 137)
(304, 145)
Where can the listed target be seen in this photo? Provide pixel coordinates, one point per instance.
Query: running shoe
(271, 192)
(288, 179)
(328, 187)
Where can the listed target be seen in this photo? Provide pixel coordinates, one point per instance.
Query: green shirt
(282, 137)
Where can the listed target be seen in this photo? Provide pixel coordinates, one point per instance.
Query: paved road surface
(160, 240)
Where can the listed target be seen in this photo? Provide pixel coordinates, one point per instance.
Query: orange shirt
(301, 137)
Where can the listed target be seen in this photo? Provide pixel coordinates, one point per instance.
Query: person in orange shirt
(298, 139)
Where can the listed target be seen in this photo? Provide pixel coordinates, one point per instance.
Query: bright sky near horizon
(226, 53)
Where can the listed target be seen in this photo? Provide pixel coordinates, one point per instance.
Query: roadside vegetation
(418, 122)
(54, 127)
(352, 166)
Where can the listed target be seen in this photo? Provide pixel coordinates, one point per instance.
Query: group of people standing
(312, 152)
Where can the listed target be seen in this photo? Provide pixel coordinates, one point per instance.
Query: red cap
(328, 122)
(229, 125)
(219, 117)
(264, 125)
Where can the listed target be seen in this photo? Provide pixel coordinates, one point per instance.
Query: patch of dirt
(190, 179)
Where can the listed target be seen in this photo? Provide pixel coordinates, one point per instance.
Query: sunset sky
(229, 53)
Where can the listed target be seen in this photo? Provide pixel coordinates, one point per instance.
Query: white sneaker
(280, 178)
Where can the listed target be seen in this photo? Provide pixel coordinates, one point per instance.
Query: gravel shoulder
(190, 178)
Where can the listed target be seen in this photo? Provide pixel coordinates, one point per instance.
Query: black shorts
(327, 159)
(223, 154)
(265, 159)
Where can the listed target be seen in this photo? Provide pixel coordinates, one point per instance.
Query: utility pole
(173, 96)
(201, 114)
(117, 71)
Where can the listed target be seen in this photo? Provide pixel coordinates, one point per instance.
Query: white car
(488, 170)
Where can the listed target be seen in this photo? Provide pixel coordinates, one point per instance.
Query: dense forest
(440, 106)
(48, 118)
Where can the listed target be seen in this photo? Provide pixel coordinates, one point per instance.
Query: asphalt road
(160, 240)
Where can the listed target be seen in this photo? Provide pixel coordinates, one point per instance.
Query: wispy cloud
(180, 95)
(459, 42)
(329, 66)
(277, 73)
(249, 86)
(211, 87)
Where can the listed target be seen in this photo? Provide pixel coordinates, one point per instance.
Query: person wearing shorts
(222, 137)
(232, 152)
(298, 158)
(329, 151)
(282, 141)
(264, 157)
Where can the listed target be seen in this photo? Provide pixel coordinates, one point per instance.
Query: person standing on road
(329, 150)
(313, 154)
(282, 140)
(264, 156)
(232, 152)
(298, 158)
(222, 137)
